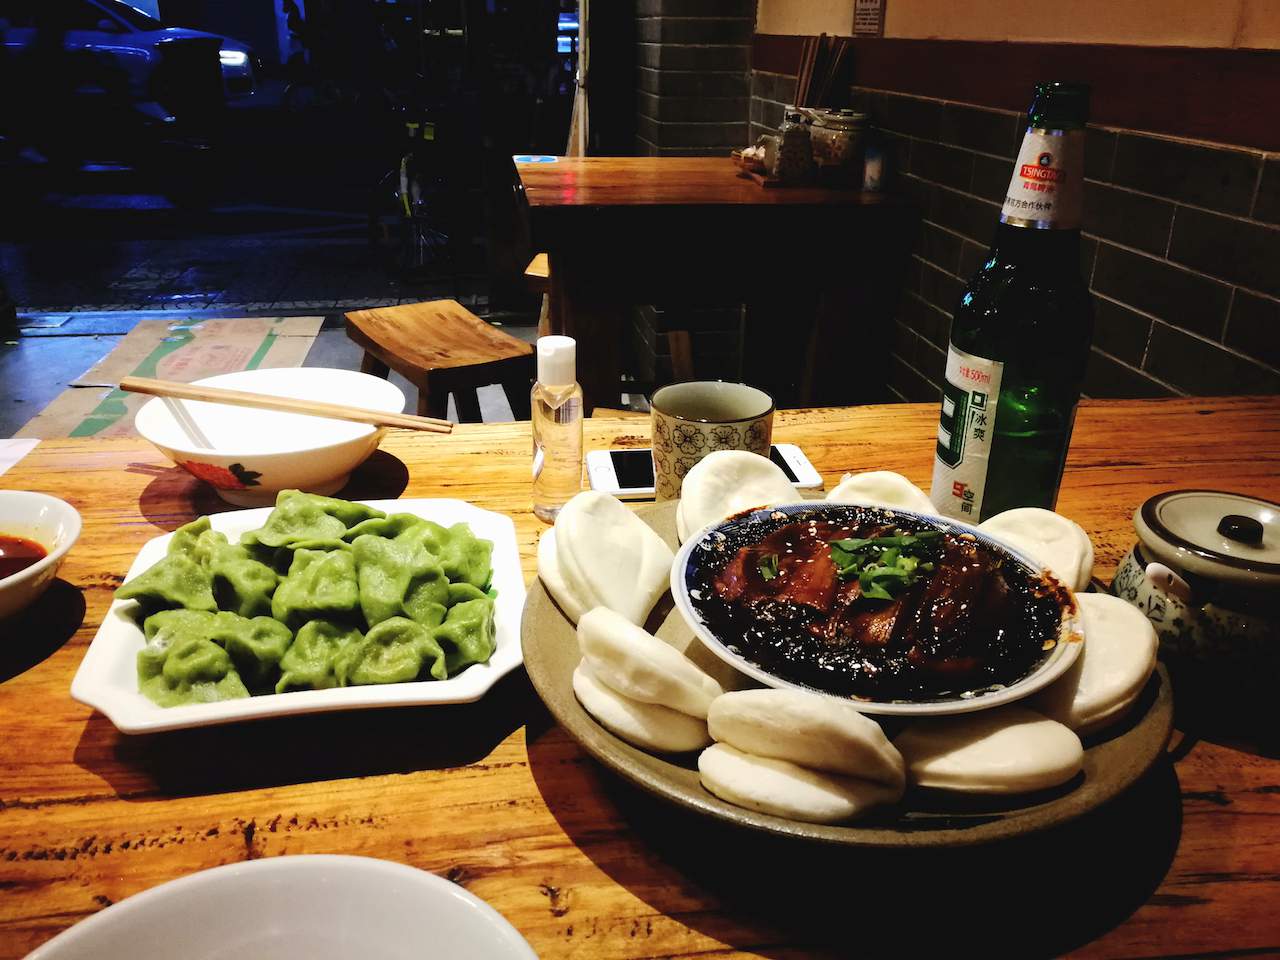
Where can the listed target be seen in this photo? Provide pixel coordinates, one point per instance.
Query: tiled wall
(692, 86)
(1181, 248)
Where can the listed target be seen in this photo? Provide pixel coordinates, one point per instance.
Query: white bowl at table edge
(56, 527)
(303, 903)
(316, 464)
(1057, 663)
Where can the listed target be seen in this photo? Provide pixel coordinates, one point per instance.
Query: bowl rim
(1070, 631)
(54, 556)
(339, 868)
(367, 431)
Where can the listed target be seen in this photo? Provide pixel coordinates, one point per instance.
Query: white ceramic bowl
(253, 454)
(1052, 665)
(48, 521)
(316, 907)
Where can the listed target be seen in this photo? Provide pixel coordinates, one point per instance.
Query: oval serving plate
(1112, 762)
(1049, 667)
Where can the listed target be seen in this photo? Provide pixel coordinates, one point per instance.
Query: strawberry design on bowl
(235, 477)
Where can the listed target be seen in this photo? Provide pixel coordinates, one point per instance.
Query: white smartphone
(628, 474)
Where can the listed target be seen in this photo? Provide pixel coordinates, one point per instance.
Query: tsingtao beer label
(1048, 179)
(965, 431)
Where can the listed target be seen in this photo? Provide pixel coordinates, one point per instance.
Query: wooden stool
(441, 347)
(537, 277)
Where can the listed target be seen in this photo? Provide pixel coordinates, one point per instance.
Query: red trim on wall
(1224, 96)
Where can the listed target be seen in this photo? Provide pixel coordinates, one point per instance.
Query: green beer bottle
(1020, 337)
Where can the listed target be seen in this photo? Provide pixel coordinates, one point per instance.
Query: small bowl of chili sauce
(903, 613)
(36, 531)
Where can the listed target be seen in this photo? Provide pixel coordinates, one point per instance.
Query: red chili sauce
(18, 553)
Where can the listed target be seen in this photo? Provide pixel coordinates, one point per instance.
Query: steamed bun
(1050, 538)
(1003, 750)
(786, 790)
(1118, 657)
(882, 488)
(638, 665)
(808, 729)
(727, 482)
(646, 725)
(603, 555)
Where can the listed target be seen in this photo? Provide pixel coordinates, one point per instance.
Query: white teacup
(693, 419)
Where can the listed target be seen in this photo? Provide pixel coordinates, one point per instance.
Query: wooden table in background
(819, 268)
(496, 797)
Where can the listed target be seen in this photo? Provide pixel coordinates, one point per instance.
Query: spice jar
(795, 157)
(837, 142)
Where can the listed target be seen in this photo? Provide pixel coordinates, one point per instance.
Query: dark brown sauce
(978, 622)
(18, 553)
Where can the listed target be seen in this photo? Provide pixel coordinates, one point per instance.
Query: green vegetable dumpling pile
(327, 593)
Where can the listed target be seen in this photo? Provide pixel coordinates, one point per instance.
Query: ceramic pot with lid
(837, 146)
(1206, 572)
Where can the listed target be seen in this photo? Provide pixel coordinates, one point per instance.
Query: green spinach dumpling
(462, 592)
(281, 558)
(186, 538)
(310, 663)
(395, 651)
(399, 579)
(307, 516)
(463, 555)
(390, 526)
(254, 645)
(240, 583)
(175, 581)
(320, 585)
(187, 671)
(467, 634)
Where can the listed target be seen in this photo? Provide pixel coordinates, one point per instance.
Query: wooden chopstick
(312, 408)
(810, 52)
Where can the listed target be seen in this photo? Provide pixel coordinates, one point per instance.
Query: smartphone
(628, 474)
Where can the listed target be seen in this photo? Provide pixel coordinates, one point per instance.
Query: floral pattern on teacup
(679, 444)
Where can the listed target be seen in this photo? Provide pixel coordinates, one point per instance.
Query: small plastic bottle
(557, 427)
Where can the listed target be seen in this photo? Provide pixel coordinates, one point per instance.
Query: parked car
(100, 78)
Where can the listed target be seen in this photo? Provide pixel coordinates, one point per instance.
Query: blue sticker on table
(534, 158)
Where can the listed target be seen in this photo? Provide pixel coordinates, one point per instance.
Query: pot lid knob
(1217, 536)
(1241, 529)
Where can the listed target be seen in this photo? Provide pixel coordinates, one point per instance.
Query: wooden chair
(441, 347)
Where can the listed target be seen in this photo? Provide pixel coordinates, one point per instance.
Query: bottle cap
(557, 360)
(1059, 103)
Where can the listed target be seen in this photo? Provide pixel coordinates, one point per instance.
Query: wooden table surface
(495, 797)
(657, 181)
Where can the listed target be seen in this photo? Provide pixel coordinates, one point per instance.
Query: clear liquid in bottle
(556, 411)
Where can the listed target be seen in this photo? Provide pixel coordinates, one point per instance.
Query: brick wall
(1181, 245)
(692, 75)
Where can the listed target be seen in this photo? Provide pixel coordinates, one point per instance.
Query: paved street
(282, 229)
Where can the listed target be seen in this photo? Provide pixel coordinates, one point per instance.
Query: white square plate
(108, 681)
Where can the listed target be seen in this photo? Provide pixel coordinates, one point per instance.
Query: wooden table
(819, 268)
(496, 797)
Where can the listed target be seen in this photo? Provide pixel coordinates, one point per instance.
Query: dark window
(133, 16)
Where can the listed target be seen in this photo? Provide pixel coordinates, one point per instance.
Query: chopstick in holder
(833, 69)
(311, 408)
(806, 71)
